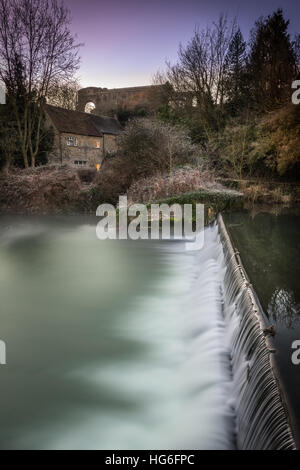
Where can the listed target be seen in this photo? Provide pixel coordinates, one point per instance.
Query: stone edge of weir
(277, 399)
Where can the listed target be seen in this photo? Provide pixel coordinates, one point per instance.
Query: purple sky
(126, 42)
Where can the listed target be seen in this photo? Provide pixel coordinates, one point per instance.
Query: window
(97, 144)
(72, 141)
(80, 162)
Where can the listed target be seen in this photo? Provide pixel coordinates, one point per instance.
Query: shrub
(86, 175)
(160, 187)
(39, 190)
(265, 146)
(114, 179)
(146, 148)
(284, 135)
(149, 147)
(234, 151)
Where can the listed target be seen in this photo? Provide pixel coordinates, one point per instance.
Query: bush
(283, 131)
(146, 148)
(39, 190)
(86, 175)
(160, 187)
(149, 147)
(114, 179)
(239, 152)
(265, 146)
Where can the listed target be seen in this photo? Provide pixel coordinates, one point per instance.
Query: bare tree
(200, 71)
(296, 46)
(37, 50)
(64, 95)
(8, 143)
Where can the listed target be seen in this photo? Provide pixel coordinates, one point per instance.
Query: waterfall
(261, 415)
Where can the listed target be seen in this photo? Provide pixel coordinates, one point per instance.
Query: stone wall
(88, 149)
(110, 143)
(108, 100)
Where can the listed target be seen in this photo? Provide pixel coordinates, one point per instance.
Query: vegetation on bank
(39, 190)
(265, 146)
(50, 189)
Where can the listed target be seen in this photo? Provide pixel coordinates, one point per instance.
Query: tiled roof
(106, 125)
(75, 122)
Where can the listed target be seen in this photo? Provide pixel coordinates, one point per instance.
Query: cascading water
(261, 417)
(123, 346)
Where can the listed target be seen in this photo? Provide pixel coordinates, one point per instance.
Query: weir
(262, 420)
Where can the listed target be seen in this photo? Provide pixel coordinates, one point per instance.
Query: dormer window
(72, 141)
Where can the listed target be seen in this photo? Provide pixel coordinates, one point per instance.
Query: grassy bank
(259, 191)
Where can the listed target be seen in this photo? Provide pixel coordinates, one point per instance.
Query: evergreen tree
(272, 62)
(236, 80)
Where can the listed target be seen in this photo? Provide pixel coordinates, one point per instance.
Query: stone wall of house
(110, 143)
(107, 100)
(85, 151)
(89, 150)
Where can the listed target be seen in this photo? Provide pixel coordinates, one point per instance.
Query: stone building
(81, 139)
(104, 100)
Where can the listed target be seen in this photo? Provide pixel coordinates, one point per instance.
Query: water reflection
(283, 308)
(270, 247)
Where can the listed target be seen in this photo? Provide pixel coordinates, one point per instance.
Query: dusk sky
(126, 42)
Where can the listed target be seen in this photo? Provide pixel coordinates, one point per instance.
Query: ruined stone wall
(107, 100)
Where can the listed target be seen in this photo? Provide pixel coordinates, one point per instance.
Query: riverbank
(262, 191)
(63, 190)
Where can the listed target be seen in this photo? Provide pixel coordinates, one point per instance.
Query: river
(110, 344)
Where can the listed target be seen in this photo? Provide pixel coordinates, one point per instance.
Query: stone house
(81, 139)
